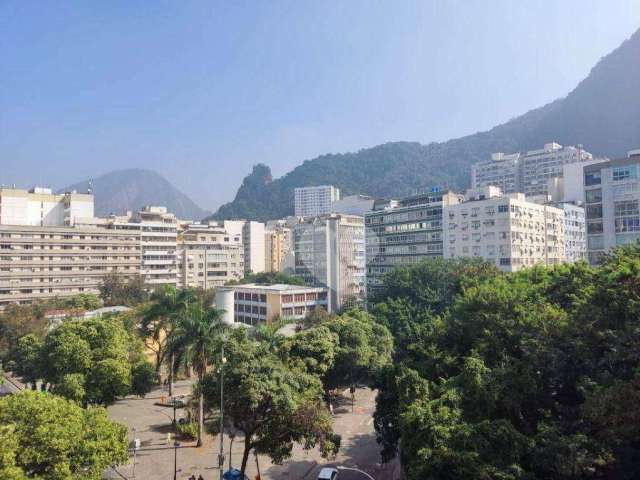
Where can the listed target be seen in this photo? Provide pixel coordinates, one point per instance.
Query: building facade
(45, 262)
(208, 257)
(278, 244)
(41, 207)
(505, 230)
(404, 233)
(612, 195)
(253, 304)
(502, 171)
(314, 201)
(575, 231)
(538, 167)
(330, 252)
(159, 243)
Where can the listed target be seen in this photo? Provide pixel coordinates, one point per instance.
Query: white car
(328, 474)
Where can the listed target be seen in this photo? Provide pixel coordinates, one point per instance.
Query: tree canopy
(43, 436)
(531, 375)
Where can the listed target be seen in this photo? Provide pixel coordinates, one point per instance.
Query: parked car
(328, 473)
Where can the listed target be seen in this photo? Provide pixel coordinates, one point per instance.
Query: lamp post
(356, 470)
(175, 459)
(221, 454)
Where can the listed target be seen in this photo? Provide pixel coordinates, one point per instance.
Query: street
(155, 459)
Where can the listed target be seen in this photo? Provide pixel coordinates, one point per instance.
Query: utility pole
(221, 455)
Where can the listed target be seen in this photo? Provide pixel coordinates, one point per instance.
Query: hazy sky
(202, 90)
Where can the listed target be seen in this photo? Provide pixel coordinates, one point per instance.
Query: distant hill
(602, 113)
(131, 189)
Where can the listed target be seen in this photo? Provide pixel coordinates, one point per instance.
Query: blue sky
(202, 90)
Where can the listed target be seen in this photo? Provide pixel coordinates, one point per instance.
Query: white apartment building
(159, 242)
(314, 201)
(506, 230)
(252, 304)
(253, 241)
(330, 252)
(612, 196)
(41, 207)
(45, 262)
(404, 232)
(502, 171)
(575, 231)
(530, 172)
(353, 205)
(539, 166)
(208, 257)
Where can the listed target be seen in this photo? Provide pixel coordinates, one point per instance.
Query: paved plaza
(155, 458)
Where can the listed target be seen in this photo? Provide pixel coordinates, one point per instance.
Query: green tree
(143, 378)
(9, 446)
(92, 360)
(364, 347)
(513, 376)
(25, 358)
(316, 348)
(56, 439)
(115, 290)
(196, 334)
(167, 304)
(272, 402)
(16, 321)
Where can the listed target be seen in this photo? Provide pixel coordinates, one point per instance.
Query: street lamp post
(356, 470)
(175, 459)
(221, 454)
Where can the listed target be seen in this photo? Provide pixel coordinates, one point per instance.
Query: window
(503, 208)
(592, 178)
(593, 196)
(594, 211)
(594, 227)
(625, 172)
(627, 207)
(627, 224)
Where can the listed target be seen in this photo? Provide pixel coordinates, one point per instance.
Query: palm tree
(195, 335)
(167, 304)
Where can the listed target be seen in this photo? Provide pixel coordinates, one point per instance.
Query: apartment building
(41, 207)
(253, 240)
(208, 257)
(612, 195)
(278, 245)
(502, 171)
(575, 231)
(44, 262)
(353, 205)
(314, 201)
(528, 173)
(159, 242)
(506, 230)
(330, 252)
(253, 304)
(404, 232)
(539, 166)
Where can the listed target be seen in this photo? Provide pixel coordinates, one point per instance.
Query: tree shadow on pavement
(294, 470)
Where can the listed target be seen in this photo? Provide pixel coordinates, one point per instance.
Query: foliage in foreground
(534, 375)
(91, 361)
(272, 401)
(43, 436)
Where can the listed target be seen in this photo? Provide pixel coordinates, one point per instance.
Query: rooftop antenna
(90, 187)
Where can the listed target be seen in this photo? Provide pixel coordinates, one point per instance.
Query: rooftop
(277, 287)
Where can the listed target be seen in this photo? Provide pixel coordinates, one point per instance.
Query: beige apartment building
(209, 256)
(44, 262)
(506, 230)
(252, 304)
(278, 244)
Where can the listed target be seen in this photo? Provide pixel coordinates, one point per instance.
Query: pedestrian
(192, 477)
(169, 439)
(331, 408)
(200, 477)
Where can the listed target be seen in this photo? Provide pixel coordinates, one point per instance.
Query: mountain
(602, 113)
(131, 189)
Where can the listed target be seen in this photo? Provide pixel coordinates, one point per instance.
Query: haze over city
(204, 90)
